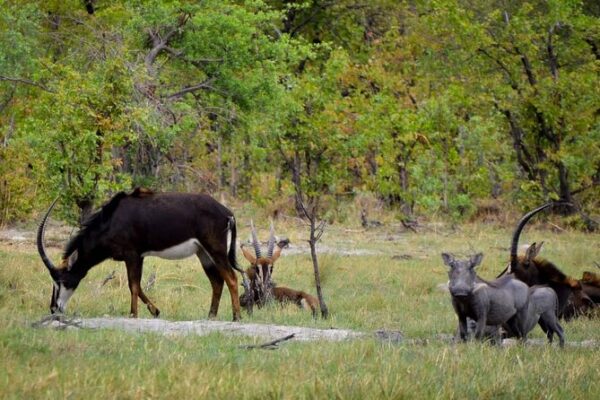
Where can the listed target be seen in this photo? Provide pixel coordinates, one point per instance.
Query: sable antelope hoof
(132, 315)
(154, 311)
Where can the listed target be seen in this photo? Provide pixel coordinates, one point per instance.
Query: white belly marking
(177, 252)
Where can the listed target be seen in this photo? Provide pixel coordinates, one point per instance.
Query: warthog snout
(460, 291)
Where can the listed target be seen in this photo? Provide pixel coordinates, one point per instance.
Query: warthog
(542, 308)
(502, 302)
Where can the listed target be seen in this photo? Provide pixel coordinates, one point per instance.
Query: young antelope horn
(271, 245)
(255, 243)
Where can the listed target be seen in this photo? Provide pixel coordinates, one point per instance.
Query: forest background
(432, 108)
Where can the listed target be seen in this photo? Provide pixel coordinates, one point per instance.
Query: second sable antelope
(534, 270)
(133, 226)
(262, 287)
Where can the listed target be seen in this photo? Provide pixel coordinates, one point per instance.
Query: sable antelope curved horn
(271, 245)
(515, 240)
(40, 239)
(255, 243)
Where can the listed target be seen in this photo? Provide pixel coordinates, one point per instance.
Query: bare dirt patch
(264, 331)
(204, 327)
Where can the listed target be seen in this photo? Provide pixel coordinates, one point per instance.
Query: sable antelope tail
(232, 230)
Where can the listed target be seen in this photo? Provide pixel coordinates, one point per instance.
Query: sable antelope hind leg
(134, 277)
(221, 272)
(217, 277)
(228, 275)
(216, 282)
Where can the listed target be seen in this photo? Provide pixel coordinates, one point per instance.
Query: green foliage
(431, 107)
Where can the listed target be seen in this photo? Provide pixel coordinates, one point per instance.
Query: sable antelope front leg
(134, 277)
(151, 307)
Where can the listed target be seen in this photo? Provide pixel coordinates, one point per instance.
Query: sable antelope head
(261, 267)
(66, 276)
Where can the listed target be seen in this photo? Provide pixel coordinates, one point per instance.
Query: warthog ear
(448, 259)
(533, 251)
(476, 259)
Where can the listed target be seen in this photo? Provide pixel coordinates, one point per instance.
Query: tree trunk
(313, 253)
(220, 171)
(564, 189)
(298, 201)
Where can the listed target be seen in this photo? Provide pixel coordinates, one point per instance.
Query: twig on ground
(272, 345)
(412, 225)
(63, 320)
(558, 228)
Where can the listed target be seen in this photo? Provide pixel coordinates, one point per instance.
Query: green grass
(363, 292)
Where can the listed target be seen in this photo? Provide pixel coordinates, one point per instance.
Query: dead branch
(108, 278)
(62, 319)
(272, 345)
(160, 42)
(190, 89)
(410, 225)
(26, 82)
(319, 230)
(556, 227)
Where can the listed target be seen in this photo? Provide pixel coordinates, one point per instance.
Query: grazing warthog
(260, 274)
(500, 302)
(133, 226)
(535, 270)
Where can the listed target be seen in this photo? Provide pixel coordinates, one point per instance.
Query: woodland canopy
(432, 107)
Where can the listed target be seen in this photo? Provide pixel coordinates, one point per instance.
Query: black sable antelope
(133, 226)
(535, 270)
